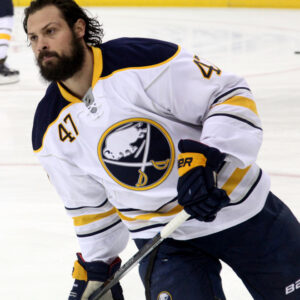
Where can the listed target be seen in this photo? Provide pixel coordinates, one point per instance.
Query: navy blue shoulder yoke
(47, 112)
(125, 53)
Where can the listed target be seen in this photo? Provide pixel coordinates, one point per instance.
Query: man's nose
(42, 44)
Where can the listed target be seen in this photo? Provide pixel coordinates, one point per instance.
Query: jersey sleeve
(194, 91)
(101, 234)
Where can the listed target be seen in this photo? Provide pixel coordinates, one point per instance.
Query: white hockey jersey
(112, 155)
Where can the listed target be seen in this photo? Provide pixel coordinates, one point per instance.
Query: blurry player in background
(115, 117)
(7, 75)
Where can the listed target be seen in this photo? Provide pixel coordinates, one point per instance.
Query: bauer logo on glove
(188, 161)
(197, 189)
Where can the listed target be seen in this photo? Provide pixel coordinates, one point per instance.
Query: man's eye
(50, 31)
(32, 38)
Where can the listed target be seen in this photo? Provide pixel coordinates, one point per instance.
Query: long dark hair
(71, 12)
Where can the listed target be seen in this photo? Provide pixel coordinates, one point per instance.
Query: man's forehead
(43, 17)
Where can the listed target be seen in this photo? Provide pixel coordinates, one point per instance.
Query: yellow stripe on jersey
(87, 219)
(5, 36)
(234, 180)
(98, 65)
(241, 101)
(67, 95)
(97, 70)
(175, 210)
(145, 67)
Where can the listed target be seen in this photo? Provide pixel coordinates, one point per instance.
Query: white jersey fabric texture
(112, 155)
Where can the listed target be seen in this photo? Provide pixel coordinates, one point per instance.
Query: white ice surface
(37, 241)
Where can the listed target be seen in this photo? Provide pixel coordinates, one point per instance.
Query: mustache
(46, 53)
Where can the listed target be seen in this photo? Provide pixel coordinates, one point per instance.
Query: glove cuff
(214, 158)
(190, 160)
(97, 270)
(79, 272)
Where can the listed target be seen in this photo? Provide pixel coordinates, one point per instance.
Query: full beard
(62, 67)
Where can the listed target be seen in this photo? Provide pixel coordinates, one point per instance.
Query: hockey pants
(263, 251)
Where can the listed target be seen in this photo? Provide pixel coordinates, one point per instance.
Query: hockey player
(7, 75)
(108, 131)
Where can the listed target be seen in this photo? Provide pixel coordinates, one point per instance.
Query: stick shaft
(136, 258)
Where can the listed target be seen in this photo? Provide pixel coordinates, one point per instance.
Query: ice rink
(37, 240)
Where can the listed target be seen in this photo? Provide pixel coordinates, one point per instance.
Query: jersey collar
(97, 70)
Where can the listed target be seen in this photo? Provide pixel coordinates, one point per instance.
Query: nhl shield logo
(137, 153)
(164, 296)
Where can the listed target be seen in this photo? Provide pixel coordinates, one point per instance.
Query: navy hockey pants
(6, 8)
(264, 252)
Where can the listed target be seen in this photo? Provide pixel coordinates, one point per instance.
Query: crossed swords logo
(121, 144)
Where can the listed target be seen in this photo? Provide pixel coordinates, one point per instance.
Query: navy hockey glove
(197, 190)
(90, 275)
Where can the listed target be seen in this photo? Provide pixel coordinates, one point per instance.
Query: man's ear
(79, 28)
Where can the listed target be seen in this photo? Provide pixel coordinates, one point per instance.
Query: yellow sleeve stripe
(175, 210)
(234, 180)
(87, 219)
(241, 101)
(5, 36)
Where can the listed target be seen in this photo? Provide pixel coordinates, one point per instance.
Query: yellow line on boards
(186, 3)
(265, 3)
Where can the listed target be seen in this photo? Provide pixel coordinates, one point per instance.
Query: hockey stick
(135, 259)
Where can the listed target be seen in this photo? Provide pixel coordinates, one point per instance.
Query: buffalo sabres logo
(164, 296)
(137, 153)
